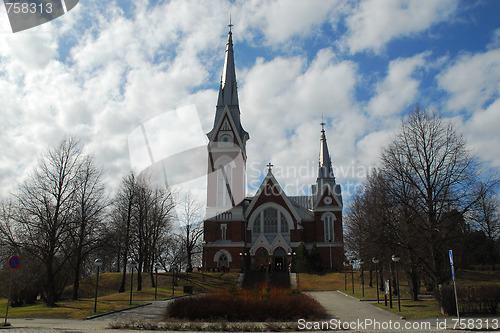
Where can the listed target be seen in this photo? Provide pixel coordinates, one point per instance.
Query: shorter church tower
(327, 208)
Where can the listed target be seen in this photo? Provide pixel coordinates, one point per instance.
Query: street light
(174, 269)
(361, 263)
(352, 274)
(243, 256)
(376, 261)
(345, 275)
(396, 260)
(157, 265)
(97, 263)
(131, 264)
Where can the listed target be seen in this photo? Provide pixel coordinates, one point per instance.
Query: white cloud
(481, 131)
(374, 23)
(282, 19)
(399, 89)
(472, 81)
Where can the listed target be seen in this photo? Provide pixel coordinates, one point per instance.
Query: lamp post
(396, 259)
(132, 264)
(174, 269)
(361, 263)
(97, 263)
(352, 274)
(345, 275)
(376, 261)
(243, 256)
(157, 266)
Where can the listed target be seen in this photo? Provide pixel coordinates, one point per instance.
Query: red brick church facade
(252, 233)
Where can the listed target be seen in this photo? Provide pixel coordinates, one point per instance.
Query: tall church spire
(228, 97)
(325, 170)
(228, 92)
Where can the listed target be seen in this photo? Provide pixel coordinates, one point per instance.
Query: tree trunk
(76, 278)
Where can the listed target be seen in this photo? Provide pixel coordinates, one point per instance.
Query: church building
(264, 230)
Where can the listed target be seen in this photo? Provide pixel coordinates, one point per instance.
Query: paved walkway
(98, 325)
(343, 309)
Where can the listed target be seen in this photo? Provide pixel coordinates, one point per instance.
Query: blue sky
(105, 67)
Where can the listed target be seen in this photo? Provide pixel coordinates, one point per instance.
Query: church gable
(271, 191)
(224, 130)
(328, 201)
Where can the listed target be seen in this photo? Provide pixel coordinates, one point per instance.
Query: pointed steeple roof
(228, 96)
(325, 170)
(228, 91)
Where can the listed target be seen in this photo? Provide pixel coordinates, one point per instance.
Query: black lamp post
(97, 263)
(396, 260)
(376, 261)
(132, 265)
(346, 264)
(361, 263)
(174, 269)
(157, 266)
(243, 256)
(352, 274)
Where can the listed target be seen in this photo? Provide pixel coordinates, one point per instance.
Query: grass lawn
(80, 309)
(109, 299)
(424, 308)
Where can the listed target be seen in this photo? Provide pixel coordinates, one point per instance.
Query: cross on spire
(269, 167)
(322, 124)
(230, 25)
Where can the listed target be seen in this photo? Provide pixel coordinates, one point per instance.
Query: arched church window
(224, 183)
(223, 262)
(270, 220)
(329, 234)
(284, 224)
(256, 225)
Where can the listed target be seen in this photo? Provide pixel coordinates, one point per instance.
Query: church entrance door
(279, 260)
(261, 260)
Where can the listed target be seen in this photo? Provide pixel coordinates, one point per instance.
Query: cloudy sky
(106, 67)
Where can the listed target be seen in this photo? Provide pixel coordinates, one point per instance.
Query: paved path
(360, 316)
(352, 314)
(98, 325)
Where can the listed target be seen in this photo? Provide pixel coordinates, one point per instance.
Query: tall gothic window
(270, 220)
(223, 229)
(284, 224)
(224, 183)
(256, 225)
(329, 228)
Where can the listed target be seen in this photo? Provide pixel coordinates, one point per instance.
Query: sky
(106, 69)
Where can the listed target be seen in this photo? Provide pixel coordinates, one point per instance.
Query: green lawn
(426, 307)
(109, 299)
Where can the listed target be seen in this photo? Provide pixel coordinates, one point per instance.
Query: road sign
(451, 257)
(14, 262)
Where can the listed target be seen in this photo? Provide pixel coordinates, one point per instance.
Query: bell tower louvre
(262, 231)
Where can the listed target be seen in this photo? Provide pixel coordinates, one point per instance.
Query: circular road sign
(14, 262)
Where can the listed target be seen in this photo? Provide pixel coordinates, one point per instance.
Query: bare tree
(486, 218)
(44, 209)
(191, 227)
(430, 176)
(122, 213)
(87, 222)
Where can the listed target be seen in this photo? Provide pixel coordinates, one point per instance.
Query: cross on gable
(269, 167)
